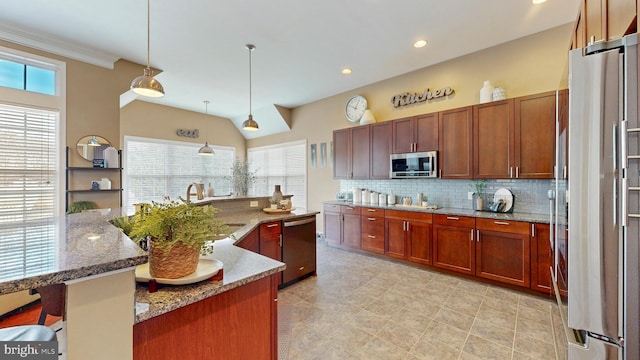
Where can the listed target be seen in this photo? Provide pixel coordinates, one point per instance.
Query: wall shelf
(85, 194)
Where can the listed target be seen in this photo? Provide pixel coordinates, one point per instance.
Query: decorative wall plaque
(188, 133)
(406, 98)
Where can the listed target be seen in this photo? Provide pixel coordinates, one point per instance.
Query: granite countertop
(240, 267)
(515, 216)
(78, 245)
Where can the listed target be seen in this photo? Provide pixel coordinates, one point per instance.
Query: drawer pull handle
(301, 268)
(272, 225)
(371, 219)
(349, 208)
(372, 210)
(452, 218)
(371, 236)
(501, 223)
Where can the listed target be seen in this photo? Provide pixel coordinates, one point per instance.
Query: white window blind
(155, 168)
(282, 164)
(28, 190)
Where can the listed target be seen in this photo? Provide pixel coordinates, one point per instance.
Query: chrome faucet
(198, 193)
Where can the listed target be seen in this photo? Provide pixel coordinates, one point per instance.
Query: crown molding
(56, 46)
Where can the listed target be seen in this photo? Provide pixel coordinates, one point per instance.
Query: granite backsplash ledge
(530, 195)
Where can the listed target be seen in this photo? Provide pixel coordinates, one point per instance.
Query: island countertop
(73, 246)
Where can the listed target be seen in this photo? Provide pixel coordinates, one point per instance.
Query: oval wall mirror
(92, 146)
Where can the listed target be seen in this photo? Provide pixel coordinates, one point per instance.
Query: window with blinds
(156, 168)
(28, 190)
(282, 164)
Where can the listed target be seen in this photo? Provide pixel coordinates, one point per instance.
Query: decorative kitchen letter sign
(188, 133)
(405, 99)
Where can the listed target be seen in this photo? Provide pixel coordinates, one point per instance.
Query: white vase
(486, 93)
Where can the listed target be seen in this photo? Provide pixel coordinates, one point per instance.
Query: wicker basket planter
(180, 261)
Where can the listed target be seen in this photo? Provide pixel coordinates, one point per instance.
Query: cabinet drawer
(375, 226)
(270, 229)
(516, 227)
(372, 212)
(409, 215)
(455, 220)
(350, 210)
(331, 208)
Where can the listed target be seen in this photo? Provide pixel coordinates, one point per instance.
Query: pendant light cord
(250, 47)
(148, 34)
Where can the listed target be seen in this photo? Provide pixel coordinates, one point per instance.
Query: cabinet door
(426, 132)
(535, 129)
(541, 258)
(270, 240)
(372, 233)
(395, 238)
(503, 256)
(251, 242)
(419, 241)
(351, 230)
(493, 140)
(380, 150)
(332, 228)
(402, 133)
(455, 143)
(341, 154)
(454, 248)
(360, 140)
(594, 20)
(620, 17)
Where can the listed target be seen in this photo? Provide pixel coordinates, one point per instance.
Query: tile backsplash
(530, 196)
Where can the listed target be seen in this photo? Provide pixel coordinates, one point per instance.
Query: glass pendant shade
(93, 141)
(206, 150)
(250, 124)
(147, 85)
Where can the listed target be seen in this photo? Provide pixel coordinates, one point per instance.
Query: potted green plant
(241, 177)
(478, 187)
(178, 232)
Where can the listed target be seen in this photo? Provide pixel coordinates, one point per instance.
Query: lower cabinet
(342, 225)
(408, 235)
(332, 224)
(372, 229)
(503, 251)
(541, 257)
(454, 245)
(271, 241)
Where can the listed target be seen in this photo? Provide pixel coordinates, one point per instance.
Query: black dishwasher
(298, 249)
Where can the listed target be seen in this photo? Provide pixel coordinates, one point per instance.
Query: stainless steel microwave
(414, 165)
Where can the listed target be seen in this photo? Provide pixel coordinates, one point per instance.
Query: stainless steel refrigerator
(601, 292)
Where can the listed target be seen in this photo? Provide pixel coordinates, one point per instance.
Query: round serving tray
(277, 211)
(206, 269)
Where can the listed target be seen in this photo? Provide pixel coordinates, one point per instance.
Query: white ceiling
(301, 46)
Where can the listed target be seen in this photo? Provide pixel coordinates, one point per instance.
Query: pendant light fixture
(93, 141)
(250, 124)
(206, 150)
(147, 85)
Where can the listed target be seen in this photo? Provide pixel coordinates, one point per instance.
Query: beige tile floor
(360, 307)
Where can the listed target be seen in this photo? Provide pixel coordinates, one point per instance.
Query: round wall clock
(355, 108)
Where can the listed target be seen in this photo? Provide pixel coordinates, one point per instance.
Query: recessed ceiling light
(346, 71)
(420, 43)
(536, 2)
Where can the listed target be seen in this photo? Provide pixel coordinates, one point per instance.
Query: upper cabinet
(534, 136)
(351, 153)
(604, 20)
(380, 144)
(414, 134)
(493, 153)
(455, 137)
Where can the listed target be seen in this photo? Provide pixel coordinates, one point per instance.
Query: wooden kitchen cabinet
(415, 134)
(372, 229)
(271, 242)
(342, 225)
(380, 145)
(408, 235)
(493, 140)
(534, 136)
(503, 251)
(541, 258)
(455, 143)
(351, 153)
(454, 243)
(604, 20)
(251, 242)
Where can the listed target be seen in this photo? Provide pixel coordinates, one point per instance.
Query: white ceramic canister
(365, 196)
(382, 199)
(499, 94)
(419, 199)
(391, 199)
(105, 184)
(373, 198)
(110, 156)
(486, 93)
(357, 195)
